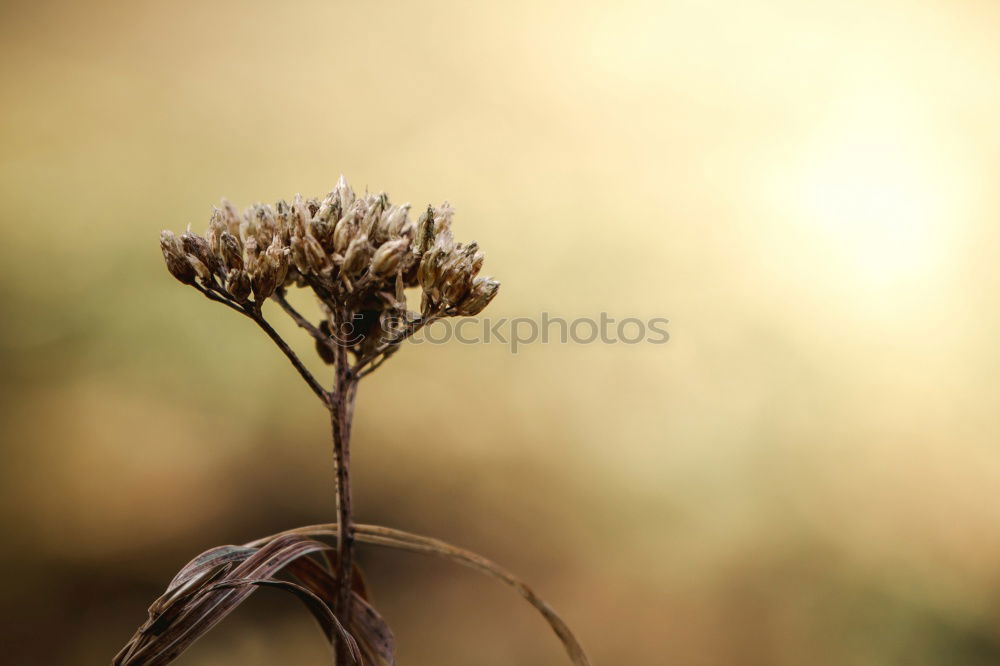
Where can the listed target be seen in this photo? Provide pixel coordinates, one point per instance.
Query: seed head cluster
(358, 253)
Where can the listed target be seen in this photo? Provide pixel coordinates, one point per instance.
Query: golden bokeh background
(805, 474)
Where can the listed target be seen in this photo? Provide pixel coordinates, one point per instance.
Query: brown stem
(252, 310)
(341, 415)
(280, 299)
(306, 375)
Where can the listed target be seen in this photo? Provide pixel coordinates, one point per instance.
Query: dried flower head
(357, 253)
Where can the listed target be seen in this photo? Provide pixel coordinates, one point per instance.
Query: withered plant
(358, 255)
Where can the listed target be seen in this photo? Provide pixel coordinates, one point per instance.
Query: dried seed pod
(372, 220)
(396, 220)
(388, 257)
(425, 232)
(271, 270)
(456, 277)
(482, 291)
(175, 257)
(231, 217)
(299, 258)
(329, 209)
(473, 257)
(428, 272)
(200, 268)
(260, 223)
(267, 220)
(263, 283)
(345, 231)
(216, 227)
(231, 251)
(343, 193)
(238, 285)
(357, 256)
(315, 255)
(277, 257)
(283, 221)
(312, 206)
(199, 248)
(252, 256)
(300, 215)
(476, 262)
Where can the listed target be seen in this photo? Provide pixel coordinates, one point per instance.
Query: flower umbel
(356, 253)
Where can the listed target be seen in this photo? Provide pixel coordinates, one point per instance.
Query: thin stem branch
(279, 297)
(320, 392)
(252, 310)
(218, 299)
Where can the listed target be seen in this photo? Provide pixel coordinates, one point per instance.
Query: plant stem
(306, 375)
(280, 299)
(341, 415)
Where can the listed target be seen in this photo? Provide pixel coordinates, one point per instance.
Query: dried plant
(358, 255)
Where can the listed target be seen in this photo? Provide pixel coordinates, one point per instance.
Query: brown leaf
(210, 587)
(392, 538)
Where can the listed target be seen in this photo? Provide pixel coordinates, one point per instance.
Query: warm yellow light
(876, 203)
(875, 188)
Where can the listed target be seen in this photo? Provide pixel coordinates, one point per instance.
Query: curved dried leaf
(374, 637)
(207, 590)
(373, 633)
(320, 610)
(392, 538)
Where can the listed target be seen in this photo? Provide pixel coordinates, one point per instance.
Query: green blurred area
(805, 474)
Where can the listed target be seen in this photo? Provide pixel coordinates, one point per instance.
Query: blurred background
(805, 474)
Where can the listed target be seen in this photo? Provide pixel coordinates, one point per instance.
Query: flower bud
(329, 209)
(300, 215)
(345, 232)
(231, 251)
(372, 221)
(216, 227)
(277, 256)
(253, 255)
(200, 268)
(272, 268)
(396, 220)
(343, 193)
(427, 273)
(198, 247)
(231, 216)
(261, 223)
(482, 291)
(311, 207)
(238, 285)
(284, 223)
(473, 257)
(425, 232)
(456, 277)
(299, 259)
(388, 257)
(315, 255)
(357, 256)
(173, 254)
